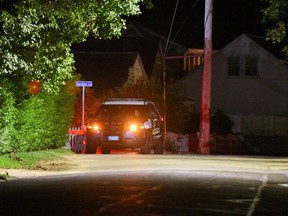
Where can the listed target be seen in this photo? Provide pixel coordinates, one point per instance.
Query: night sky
(230, 19)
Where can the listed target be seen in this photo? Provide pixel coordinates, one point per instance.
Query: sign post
(83, 84)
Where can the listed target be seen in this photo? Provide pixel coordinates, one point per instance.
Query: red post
(206, 85)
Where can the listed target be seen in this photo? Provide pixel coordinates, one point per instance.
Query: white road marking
(257, 198)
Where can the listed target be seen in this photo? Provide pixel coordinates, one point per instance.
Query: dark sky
(230, 19)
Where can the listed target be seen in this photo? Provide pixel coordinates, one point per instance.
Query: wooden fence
(260, 125)
(242, 145)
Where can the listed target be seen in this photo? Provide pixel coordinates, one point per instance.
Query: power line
(171, 26)
(183, 23)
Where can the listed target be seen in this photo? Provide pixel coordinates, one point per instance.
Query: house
(249, 84)
(140, 51)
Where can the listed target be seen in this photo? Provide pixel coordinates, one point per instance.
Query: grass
(32, 160)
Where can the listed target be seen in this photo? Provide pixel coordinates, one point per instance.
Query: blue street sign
(83, 83)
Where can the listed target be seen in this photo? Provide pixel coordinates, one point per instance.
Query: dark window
(152, 109)
(251, 66)
(233, 65)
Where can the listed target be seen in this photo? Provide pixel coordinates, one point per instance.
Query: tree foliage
(276, 15)
(177, 110)
(134, 87)
(91, 103)
(35, 44)
(36, 35)
(43, 121)
(8, 118)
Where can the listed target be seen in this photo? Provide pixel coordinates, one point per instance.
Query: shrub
(221, 123)
(8, 117)
(177, 110)
(44, 121)
(172, 146)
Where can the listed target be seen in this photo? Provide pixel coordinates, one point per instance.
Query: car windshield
(121, 110)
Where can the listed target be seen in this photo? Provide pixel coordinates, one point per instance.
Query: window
(251, 66)
(233, 65)
(152, 110)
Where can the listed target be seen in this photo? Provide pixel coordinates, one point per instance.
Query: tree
(37, 35)
(276, 15)
(92, 103)
(35, 44)
(135, 87)
(178, 113)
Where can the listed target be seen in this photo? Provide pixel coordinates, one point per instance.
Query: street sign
(83, 83)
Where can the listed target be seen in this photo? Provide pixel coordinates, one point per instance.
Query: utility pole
(206, 82)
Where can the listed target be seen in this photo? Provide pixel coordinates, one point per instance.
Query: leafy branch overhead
(276, 15)
(36, 35)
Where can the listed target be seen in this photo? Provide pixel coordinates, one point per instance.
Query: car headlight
(133, 127)
(95, 127)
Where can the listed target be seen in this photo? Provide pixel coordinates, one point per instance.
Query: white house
(249, 84)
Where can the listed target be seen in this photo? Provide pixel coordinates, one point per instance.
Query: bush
(177, 110)
(171, 146)
(44, 121)
(38, 122)
(221, 123)
(8, 117)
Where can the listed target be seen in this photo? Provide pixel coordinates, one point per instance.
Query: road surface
(134, 184)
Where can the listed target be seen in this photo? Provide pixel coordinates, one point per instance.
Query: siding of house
(138, 69)
(263, 95)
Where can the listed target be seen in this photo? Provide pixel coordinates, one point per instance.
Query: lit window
(251, 66)
(233, 65)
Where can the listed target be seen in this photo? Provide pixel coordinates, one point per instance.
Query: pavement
(81, 163)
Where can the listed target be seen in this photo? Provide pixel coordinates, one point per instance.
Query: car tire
(147, 146)
(105, 150)
(91, 145)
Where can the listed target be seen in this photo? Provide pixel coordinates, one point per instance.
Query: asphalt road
(133, 184)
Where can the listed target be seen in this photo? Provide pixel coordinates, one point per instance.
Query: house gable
(244, 46)
(138, 70)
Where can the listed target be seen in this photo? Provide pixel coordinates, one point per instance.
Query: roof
(258, 40)
(273, 48)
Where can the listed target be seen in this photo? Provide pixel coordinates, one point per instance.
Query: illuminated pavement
(128, 183)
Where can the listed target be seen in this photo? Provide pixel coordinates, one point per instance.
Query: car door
(156, 121)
